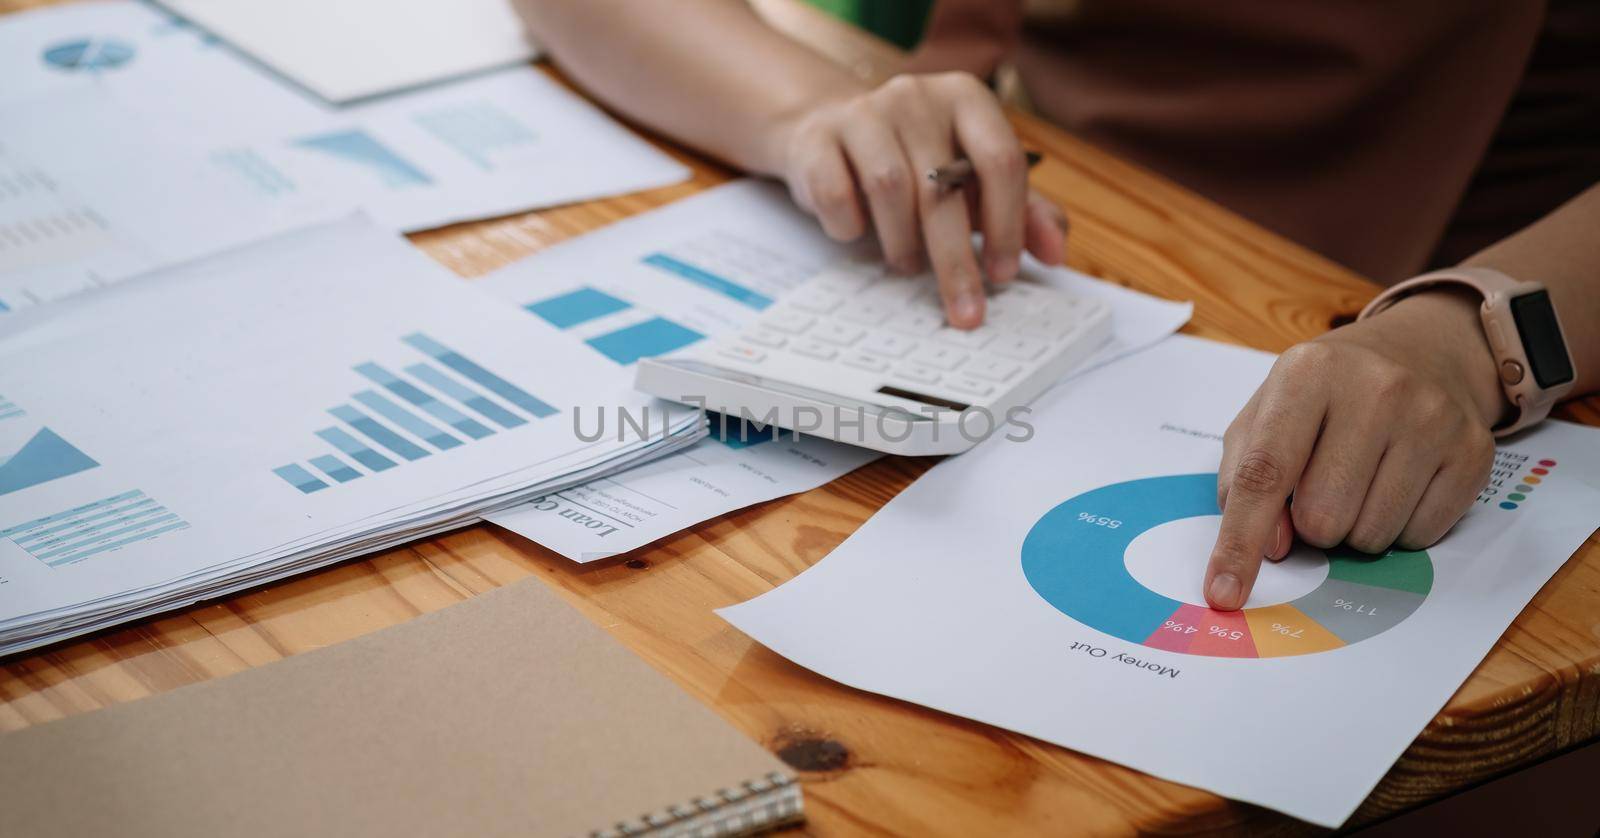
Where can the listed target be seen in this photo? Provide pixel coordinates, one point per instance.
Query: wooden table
(871, 764)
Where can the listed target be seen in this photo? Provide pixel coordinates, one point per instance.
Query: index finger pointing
(1273, 453)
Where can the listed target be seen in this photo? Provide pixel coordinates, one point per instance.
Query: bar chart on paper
(441, 401)
(1074, 557)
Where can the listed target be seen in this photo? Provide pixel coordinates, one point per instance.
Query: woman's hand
(1378, 430)
(859, 162)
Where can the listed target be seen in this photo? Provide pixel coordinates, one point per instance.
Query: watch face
(1542, 341)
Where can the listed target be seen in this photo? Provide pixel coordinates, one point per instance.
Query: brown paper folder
(507, 714)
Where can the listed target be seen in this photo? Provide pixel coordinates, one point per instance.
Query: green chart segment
(1074, 558)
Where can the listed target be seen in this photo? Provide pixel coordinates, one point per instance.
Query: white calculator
(863, 357)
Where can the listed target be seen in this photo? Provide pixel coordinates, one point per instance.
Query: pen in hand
(955, 174)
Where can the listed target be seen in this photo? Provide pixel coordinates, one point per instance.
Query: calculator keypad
(894, 327)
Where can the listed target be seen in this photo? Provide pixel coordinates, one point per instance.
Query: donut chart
(1074, 559)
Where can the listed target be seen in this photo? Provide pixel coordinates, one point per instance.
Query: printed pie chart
(1075, 559)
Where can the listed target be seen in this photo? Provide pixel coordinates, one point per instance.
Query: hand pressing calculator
(859, 356)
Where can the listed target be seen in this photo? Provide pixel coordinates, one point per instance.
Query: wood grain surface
(871, 764)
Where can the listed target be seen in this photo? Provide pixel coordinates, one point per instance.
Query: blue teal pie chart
(89, 54)
(1074, 558)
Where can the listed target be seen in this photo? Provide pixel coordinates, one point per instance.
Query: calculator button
(865, 313)
(917, 323)
(813, 299)
(892, 345)
(939, 357)
(837, 333)
(765, 337)
(840, 279)
(739, 351)
(1019, 348)
(1050, 326)
(969, 385)
(793, 322)
(862, 360)
(815, 349)
(918, 372)
(970, 338)
(994, 369)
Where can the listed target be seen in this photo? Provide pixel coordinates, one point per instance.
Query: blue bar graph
(709, 281)
(407, 420)
(335, 468)
(653, 337)
(386, 423)
(575, 307)
(8, 408)
(482, 377)
(355, 449)
(377, 432)
(94, 528)
(299, 478)
(424, 401)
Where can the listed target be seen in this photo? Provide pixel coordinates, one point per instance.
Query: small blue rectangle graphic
(580, 306)
(710, 281)
(335, 468)
(300, 478)
(653, 337)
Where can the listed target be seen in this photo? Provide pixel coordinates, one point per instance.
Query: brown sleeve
(970, 35)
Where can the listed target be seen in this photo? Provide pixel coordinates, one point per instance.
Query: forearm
(709, 73)
(1562, 251)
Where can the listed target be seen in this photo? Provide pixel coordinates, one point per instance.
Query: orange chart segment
(1283, 630)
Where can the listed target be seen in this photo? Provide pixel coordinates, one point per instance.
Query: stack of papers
(283, 406)
(130, 140)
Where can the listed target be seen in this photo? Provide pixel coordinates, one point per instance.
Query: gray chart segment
(1372, 610)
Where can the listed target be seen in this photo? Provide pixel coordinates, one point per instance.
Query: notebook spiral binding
(753, 806)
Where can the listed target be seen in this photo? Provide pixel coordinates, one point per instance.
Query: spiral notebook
(507, 714)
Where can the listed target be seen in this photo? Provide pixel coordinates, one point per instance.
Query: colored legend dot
(1508, 505)
(1531, 480)
(1517, 496)
(1523, 487)
(1547, 463)
(1541, 471)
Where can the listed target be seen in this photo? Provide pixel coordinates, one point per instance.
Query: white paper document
(352, 49)
(80, 210)
(244, 417)
(1052, 587)
(665, 280)
(237, 143)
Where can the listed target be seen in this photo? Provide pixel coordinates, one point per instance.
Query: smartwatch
(1524, 336)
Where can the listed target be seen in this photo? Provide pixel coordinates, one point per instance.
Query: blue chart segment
(43, 458)
(363, 150)
(8, 409)
(656, 336)
(577, 307)
(1074, 558)
(625, 333)
(737, 433)
(89, 54)
(436, 409)
(709, 281)
(94, 529)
